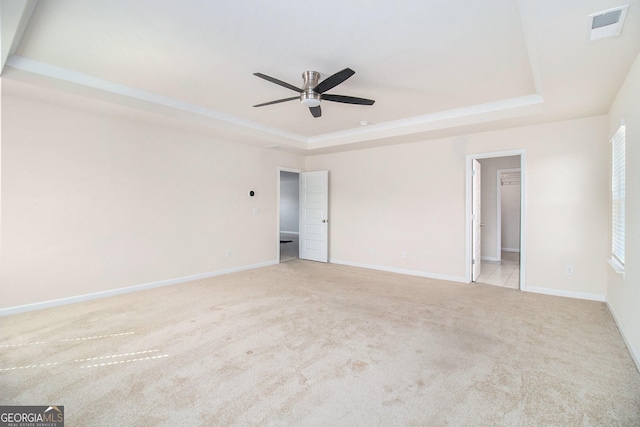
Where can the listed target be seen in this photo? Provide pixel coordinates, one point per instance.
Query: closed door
(314, 216)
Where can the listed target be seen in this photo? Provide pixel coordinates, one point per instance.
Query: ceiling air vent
(607, 23)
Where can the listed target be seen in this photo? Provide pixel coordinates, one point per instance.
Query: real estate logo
(31, 416)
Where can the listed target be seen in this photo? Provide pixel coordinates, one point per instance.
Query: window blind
(618, 195)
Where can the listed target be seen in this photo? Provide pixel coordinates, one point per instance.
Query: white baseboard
(86, 297)
(634, 355)
(401, 271)
(568, 294)
(511, 249)
(490, 258)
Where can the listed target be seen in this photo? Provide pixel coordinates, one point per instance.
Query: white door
(476, 217)
(314, 216)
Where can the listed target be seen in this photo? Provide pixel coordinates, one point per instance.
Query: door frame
(468, 209)
(281, 169)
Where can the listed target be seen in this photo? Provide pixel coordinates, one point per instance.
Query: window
(618, 198)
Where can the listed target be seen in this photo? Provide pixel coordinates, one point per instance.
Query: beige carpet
(310, 344)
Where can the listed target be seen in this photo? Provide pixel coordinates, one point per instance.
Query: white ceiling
(434, 67)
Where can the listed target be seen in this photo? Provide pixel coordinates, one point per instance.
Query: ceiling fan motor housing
(309, 97)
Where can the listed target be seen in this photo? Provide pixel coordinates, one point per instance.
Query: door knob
(324, 220)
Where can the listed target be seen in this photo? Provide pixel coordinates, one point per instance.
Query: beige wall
(510, 217)
(92, 203)
(411, 198)
(623, 293)
(405, 198)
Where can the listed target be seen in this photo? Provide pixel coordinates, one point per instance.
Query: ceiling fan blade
(277, 101)
(347, 99)
(278, 82)
(315, 111)
(333, 81)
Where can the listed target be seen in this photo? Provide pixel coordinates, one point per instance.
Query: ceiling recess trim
(473, 114)
(43, 69)
(438, 120)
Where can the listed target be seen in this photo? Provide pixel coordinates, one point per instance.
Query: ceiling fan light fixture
(310, 101)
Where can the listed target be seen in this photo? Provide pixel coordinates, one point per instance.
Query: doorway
(501, 219)
(508, 211)
(501, 261)
(289, 207)
(303, 215)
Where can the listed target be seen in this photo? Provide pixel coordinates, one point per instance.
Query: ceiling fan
(312, 92)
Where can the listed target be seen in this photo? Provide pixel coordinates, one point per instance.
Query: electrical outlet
(256, 211)
(568, 269)
(370, 250)
(229, 253)
(403, 254)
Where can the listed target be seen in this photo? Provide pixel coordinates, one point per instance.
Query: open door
(314, 216)
(476, 218)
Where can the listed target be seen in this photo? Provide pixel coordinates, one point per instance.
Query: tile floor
(505, 273)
